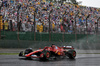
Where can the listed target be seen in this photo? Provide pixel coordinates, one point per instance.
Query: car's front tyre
(45, 55)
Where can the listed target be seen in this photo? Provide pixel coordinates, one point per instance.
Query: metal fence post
(75, 27)
(49, 28)
(19, 5)
(86, 26)
(50, 25)
(0, 18)
(34, 26)
(63, 26)
(0, 24)
(97, 24)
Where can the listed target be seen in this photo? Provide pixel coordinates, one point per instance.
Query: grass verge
(9, 53)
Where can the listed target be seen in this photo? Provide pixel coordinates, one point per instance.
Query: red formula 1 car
(53, 52)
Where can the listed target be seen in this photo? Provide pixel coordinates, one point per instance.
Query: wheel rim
(74, 53)
(47, 54)
(41, 55)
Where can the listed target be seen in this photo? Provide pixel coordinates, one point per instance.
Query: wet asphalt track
(81, 60)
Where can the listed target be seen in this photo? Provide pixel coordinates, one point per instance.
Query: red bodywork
(58, 50)
(52, 52)
(29, 55)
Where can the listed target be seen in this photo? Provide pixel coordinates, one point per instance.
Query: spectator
(6, 25)
(61, 16)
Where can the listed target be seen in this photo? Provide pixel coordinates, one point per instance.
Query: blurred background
(39, 23)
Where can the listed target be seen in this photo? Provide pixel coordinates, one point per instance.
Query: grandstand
(44, 16)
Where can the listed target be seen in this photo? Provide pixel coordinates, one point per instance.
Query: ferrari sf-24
(53, 52)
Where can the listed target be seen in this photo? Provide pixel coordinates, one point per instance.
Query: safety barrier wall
(42, 39)
(41, 44)
(58, 37)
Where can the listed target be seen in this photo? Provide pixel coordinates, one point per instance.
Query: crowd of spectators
(62, 16)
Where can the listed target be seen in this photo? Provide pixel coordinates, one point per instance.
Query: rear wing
(68, 47)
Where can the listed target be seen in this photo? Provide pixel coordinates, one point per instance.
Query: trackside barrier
(57, 37)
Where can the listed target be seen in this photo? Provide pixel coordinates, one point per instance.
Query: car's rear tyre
(71, 54)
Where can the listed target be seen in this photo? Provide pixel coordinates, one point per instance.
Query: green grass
(9, 53)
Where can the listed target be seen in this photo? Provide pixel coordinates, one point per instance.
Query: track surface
(81, 60)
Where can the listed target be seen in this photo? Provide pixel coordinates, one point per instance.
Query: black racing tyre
(71, 54)
(46, 55)
(21, 53)
(27, 51)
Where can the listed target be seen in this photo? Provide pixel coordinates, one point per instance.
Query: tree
(74, 2)
(69, 1)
